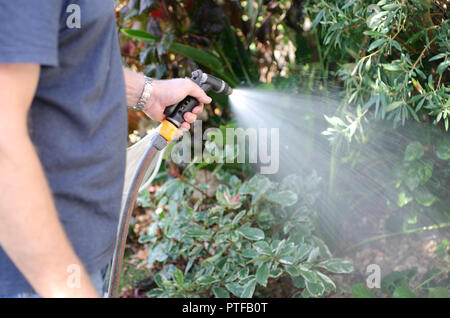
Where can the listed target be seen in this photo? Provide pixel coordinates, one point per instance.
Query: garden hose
(153, 155)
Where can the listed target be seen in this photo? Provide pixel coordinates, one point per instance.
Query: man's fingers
(189, 117)
(185, 126)
(198, 109)
(198, 93)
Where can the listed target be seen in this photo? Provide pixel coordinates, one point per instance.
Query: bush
(246, 236)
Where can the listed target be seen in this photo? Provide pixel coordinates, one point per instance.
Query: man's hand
(30, 231)
(165, 93)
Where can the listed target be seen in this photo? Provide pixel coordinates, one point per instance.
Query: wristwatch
(146, 92)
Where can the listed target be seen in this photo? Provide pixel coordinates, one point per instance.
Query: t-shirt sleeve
(29, 31)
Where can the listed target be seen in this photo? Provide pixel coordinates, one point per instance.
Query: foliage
(247, 235)
(396, 285)
(391, 62)
(394, 56)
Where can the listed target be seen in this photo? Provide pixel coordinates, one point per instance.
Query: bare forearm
(30, 231)
(134, 83)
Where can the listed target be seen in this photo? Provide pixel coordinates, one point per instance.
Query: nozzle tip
(229, 91)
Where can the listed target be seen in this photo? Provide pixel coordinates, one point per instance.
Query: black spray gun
(175, 113)
(167, 131)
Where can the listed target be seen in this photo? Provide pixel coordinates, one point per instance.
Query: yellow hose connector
(168, 130)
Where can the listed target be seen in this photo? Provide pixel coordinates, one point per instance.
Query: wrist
(145, 94)
(153, 106)
(138, 89)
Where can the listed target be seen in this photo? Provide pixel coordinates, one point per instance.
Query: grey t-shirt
(77, 120)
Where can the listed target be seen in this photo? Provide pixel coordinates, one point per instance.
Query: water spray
(168, 129)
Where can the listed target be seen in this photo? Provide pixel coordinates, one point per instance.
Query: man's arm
(30, 231)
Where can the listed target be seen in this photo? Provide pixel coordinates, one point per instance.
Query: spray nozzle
(209, 82)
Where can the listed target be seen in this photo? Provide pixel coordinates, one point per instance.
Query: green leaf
(376, 44)
(249, 289)
(337, 265)
(335, 121)
(396, 278)
(159, 280)
(275, 273)
(251, 233)
(396, 45)
(438, 292)
(201, 57)
(443, 150)
(403, 199)
(418, 172)
(348, 4)
(323, 248)
(299, 282)
(393, 106)
(317, 19)
(315, 289)
(403, 292)
(292, 270)
(256, 186)
(262, 247)
(327, 282)
(220, 292)
(238, 217)
(262, 273)
(414, 151)
(197, 232)
(360, 291)
(437, 57)
(147, 238)
(207, 280)
(283, 198)
(424, 197)
(178, 275)
(420, 104)
(140, 35)
(376, 19)
(235, 289)
(390, 7)
(287, 260)
(215, 257)
(443, 67)
(250, 253)
(315, 252)
(307, 274)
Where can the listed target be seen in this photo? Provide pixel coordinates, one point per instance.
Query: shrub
(246, 236)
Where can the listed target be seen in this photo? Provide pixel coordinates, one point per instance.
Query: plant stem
(429, 279)
(422, 54)
(227, 62)
(244, 70)
(382, 236)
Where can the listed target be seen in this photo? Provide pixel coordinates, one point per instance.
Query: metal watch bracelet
(146, 92)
